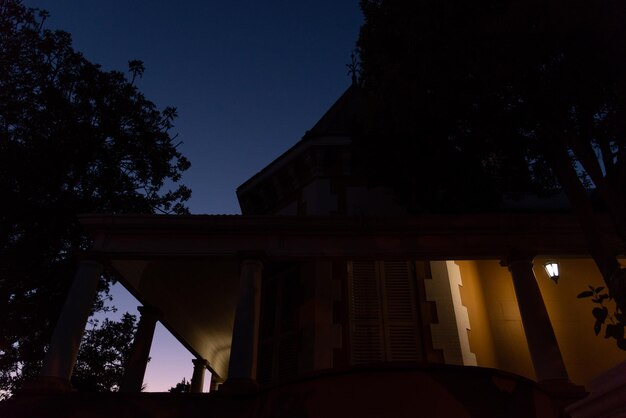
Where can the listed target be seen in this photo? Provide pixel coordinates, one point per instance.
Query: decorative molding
(462, 315)
(450, 334)
(445, 334)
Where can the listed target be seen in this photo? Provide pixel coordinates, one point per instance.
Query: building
(325, 298)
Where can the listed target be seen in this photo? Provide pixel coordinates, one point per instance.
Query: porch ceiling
(197, 299)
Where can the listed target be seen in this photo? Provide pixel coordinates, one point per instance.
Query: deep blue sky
(248, 79)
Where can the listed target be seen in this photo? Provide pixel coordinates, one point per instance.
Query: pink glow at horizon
(170, 361)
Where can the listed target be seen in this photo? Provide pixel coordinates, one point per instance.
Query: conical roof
(341, 118)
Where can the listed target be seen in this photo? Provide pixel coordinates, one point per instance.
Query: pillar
(61, 356)
(197, 379)
(135, 368)
(244, 347)
(542, 344)
(215, 382)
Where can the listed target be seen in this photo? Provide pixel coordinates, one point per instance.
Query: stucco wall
(497, 336)
(472, 295)
(585, 354)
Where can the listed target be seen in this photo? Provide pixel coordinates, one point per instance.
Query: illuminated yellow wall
(472, 297)
(488, 294)
(497, 335)
(585, 354)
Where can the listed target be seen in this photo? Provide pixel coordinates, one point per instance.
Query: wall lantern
(552, 268)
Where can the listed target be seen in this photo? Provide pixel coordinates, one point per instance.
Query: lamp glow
(552, 268)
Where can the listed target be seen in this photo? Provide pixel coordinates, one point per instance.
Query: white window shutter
(366, 327)
(400, 312)
(384, 323)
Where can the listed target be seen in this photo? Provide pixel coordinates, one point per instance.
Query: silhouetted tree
(428, 68)
(73, 139)
(183, 386)
(477, 100)
(104, 350)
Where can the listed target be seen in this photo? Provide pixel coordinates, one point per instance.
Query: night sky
(248, 79)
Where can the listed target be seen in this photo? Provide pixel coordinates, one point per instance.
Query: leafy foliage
(483, 90)
(104, 350)
(183, 386)
(439, 78)
(73, 139)
(615, 327)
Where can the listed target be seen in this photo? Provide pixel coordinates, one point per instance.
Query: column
(542, 344)
(61, 357)
(197, 379)
(215, 382)
(135, 368)
(244, 347)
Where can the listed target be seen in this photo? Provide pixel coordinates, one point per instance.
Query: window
(384, 324)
